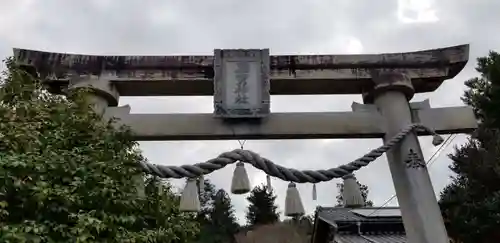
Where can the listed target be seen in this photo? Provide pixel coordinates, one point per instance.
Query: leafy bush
(66, 176)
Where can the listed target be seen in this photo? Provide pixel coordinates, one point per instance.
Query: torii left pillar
(419, 208)
(103, 95)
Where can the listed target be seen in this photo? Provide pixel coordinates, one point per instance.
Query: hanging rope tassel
(314, 192)
(159, 188)
(351, 194)
(437, 140)
(139, 183)
(293, 203)
(201, 184)
(240, 183)
(190, 201)
(268, 179)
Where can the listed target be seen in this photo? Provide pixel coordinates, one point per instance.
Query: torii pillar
(419, 208)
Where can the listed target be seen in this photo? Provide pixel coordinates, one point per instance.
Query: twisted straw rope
(286, 174)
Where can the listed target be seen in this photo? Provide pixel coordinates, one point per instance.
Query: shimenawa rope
(272, 169)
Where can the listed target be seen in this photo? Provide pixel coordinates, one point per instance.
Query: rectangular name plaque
(241, 83)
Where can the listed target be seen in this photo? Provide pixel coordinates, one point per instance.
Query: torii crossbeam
(293, 125)
(289, 74)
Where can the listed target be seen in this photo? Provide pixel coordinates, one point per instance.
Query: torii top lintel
(289, 74)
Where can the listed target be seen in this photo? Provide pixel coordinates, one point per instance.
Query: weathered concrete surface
(290, 74)
(101, 87)
(416, 197)
(419, 208)
(310, 125)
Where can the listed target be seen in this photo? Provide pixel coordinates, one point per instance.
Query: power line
(453, 136)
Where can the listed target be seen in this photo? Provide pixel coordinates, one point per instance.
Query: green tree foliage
(66, 176)
(364, 193)
(223, 221)
(216, 217)
(483, 92)
(471, 202)
(206, 201)
(262, 207)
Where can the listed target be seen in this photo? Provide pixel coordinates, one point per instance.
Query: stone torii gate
(242, 81)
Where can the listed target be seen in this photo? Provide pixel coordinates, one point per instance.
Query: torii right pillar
(419, 208)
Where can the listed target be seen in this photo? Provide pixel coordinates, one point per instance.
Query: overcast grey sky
(166, 27)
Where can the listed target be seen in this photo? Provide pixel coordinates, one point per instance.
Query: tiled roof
(338, 214)
(360, 225)
(388, 238)
(350, 239)
(335, 214)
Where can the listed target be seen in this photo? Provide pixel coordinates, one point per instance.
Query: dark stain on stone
(57, 63)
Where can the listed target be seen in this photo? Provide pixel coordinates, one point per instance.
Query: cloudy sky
(166, 27)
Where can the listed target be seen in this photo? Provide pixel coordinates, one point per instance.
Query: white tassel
(190, 202)
(201, 183)
(268, 178)
(240, 183)
(351, 194)
(437, 140)
(293, 203)
(314, 192)
(159, 189)
(139, 181)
